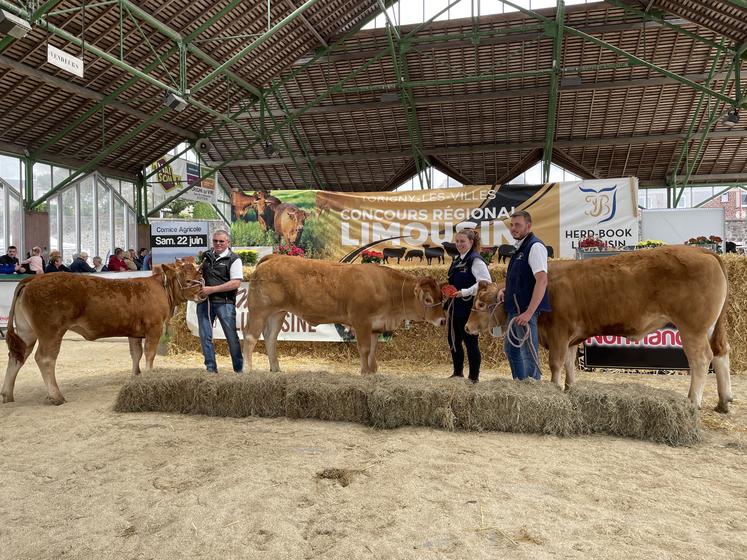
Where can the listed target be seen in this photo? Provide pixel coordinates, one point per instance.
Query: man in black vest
(222, 271)
(525, 295)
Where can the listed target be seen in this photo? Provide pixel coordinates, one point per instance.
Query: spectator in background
(10, 259)
(99, 265)
(129, 259)
(147, 259)
(80, 264)
(55, 265)
(35, 262)
(54, 254)
(117, 261)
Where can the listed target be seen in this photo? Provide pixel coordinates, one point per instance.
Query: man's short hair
(523, 214)
(222, 232)
(12, 247)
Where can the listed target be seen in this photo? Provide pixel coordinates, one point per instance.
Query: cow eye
(479, 305)
(428, 299)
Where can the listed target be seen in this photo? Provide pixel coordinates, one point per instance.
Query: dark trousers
(457, 352)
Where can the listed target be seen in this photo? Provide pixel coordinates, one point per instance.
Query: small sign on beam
(66, 61)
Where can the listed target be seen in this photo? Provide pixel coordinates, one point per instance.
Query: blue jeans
(520, 359)
(226, 314)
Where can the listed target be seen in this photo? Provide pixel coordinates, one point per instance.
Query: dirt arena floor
(81, 481)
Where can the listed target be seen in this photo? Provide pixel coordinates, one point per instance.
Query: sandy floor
(81, 481)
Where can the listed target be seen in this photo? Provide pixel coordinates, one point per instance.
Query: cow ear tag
(496, 331)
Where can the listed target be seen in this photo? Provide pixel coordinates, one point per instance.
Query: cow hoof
(7, 399)
(722, 408)
(56, 402)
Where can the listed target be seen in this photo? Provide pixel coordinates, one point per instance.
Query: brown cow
(242, 202)
(289, 220)
(266, 207)
(371, 299)
(46, 307)
(631, 295)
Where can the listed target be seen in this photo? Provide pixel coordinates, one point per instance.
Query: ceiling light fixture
(13, 26)
(732, 118)
(173, 101)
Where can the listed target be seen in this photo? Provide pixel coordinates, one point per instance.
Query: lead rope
(452, 330)
(518, 340)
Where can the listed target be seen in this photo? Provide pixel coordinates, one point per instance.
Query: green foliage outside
(251, 233)
(204, 211)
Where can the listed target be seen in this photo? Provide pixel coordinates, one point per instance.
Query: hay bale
(327, 396)
(636, 411)
(397, 401)
(628, 410)
(526, 406)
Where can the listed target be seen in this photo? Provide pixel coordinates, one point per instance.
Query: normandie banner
(339, 226)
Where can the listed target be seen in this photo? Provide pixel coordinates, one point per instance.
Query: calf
(44, 308)
(631, 295)
(370, 299)
(289, 221)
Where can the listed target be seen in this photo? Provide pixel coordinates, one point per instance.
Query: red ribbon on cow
(449, 291)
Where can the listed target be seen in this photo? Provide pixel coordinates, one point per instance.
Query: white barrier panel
(294, 328)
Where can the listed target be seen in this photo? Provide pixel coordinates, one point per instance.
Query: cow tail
(16, 345)
(719, 339)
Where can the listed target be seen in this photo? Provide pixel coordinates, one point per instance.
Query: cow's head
(428, 293)
(486, 311)
(297, 218)
(242, 202)
(183, 279)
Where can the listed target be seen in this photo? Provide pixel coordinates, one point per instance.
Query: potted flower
(649, 244)
(289, 249)
(592, 244)
(369, 256)
(712, 242)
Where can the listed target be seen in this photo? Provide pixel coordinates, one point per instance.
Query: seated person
(117, 262)
(35, 262)
(80, 264)
(99, 265)
(55, 265)
(147, 259)
(9, 262)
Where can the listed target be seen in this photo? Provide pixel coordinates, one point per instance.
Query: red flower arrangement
(592, 243)
(290, 249)
(372, 257)
(703, 240)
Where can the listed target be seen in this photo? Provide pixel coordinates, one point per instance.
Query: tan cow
(242, 203)
(46, 307)
(289, 220)
(369, 298)
(631, 295)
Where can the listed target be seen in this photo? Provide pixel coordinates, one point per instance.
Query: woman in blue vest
(465, 272)
(525, 295)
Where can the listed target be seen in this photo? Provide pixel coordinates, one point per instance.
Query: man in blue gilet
(525, 295)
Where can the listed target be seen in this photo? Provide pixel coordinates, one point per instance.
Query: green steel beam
(35, 15)
(626, 55)
(740, 3)
(399, 63)
(447, 81)
(83, 7)
(223, 217)
(704, 136)
(552, 108)
(696, 114)
(90, 166)
(286, 145)
(170, 160)
(656, 18)
(710, 198)
(253, 45)
(77, 122)
(113, 60)
(299, 141)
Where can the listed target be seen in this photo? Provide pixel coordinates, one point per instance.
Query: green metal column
(557, 53)
(28, 184)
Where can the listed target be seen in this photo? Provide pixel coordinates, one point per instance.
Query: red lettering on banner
(662, 338)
